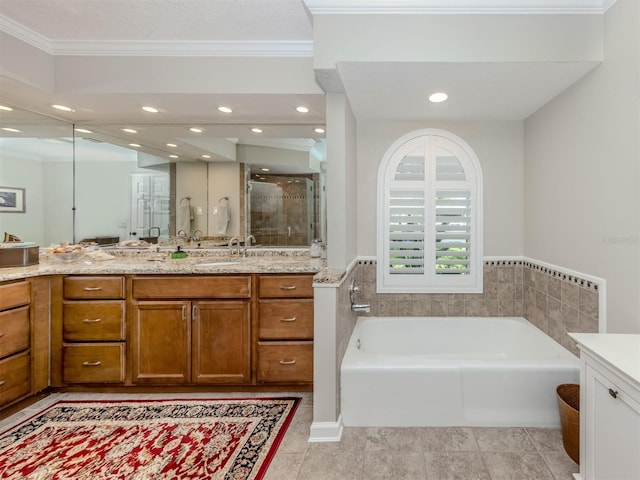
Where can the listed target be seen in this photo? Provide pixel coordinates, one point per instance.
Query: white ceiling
(161, 20)
(282, 27)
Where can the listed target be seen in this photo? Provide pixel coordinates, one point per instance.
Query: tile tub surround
(555, 302)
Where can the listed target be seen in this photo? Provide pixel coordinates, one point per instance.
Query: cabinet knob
(613, 393)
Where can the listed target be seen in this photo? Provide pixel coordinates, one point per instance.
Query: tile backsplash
(553, 301)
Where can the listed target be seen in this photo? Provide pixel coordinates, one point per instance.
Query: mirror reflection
(98, 183)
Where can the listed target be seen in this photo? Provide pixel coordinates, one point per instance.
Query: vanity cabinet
(93, 329)
(609, 406)
(24, 338)
(191, 330)
(285, 329)
(15, 381)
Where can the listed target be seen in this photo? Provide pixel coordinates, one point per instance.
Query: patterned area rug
(165, 439)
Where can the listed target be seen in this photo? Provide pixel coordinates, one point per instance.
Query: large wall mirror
(158, 181)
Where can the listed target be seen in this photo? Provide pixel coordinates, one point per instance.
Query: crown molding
(19, 31)
(285, 48)
(525, 7)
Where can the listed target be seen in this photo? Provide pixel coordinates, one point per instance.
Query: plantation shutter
(407, 215)
(429, 217)
(453, 232)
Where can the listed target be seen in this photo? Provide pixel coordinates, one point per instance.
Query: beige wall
(342, 197)
(499, 147)
(582, 177)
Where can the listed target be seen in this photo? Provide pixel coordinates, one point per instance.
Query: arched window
(429, 215)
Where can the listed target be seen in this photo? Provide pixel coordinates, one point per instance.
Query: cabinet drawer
(285, 362)
(90, 287)
(93, 321)
(192, 287)
(15, 295)
(14, 331)
(286, 319)
(93, 363)
(14, 377)
(283, 286)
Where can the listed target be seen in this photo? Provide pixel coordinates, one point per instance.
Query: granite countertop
(619, 350)
(201, 261)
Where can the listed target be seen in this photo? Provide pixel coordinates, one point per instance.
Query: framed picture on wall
(12, 200)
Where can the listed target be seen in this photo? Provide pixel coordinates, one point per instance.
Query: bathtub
(445, 371)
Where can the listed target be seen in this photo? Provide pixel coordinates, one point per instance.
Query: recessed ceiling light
(173, 156)
(195, 130)
(150, 109)
(438, 97)
(172, 145)
(64, 108)
(265, 169)
(5, 108)
(129, 130)
(256, 130)
(134, 145)
(206, 156)
(318, 130)
(83, 130)
(9, 129)
(224, 109)
(302, 109)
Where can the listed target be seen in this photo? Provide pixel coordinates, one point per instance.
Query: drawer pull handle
(91, 364)
(92, 320)
(613, 393)
(2, 382)
(287, 287)
(287, 362)
(92, 289)
(288, 319)
(1, 334)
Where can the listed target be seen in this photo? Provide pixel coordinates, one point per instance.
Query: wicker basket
(569, 404)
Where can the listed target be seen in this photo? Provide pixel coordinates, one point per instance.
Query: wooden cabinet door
(221, 342)
(160, 342)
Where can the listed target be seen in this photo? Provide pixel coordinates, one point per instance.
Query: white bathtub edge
(326, 431)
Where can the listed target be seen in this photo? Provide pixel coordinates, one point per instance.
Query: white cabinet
(609, 406)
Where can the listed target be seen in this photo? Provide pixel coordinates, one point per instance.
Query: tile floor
(424, 453)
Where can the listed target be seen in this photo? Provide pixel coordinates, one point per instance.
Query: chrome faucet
(354, 291)
(247, 243)
(233, 240)
(181, 237)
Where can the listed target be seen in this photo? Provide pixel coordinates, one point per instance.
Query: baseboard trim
(326, 431)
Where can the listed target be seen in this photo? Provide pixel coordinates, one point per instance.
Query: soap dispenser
(179, 253)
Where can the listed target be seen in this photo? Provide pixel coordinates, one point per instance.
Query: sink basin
(214, 263)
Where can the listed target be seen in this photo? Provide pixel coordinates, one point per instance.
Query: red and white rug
(148, 439)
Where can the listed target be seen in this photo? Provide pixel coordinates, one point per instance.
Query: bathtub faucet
(361, 307)
(354, 291)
